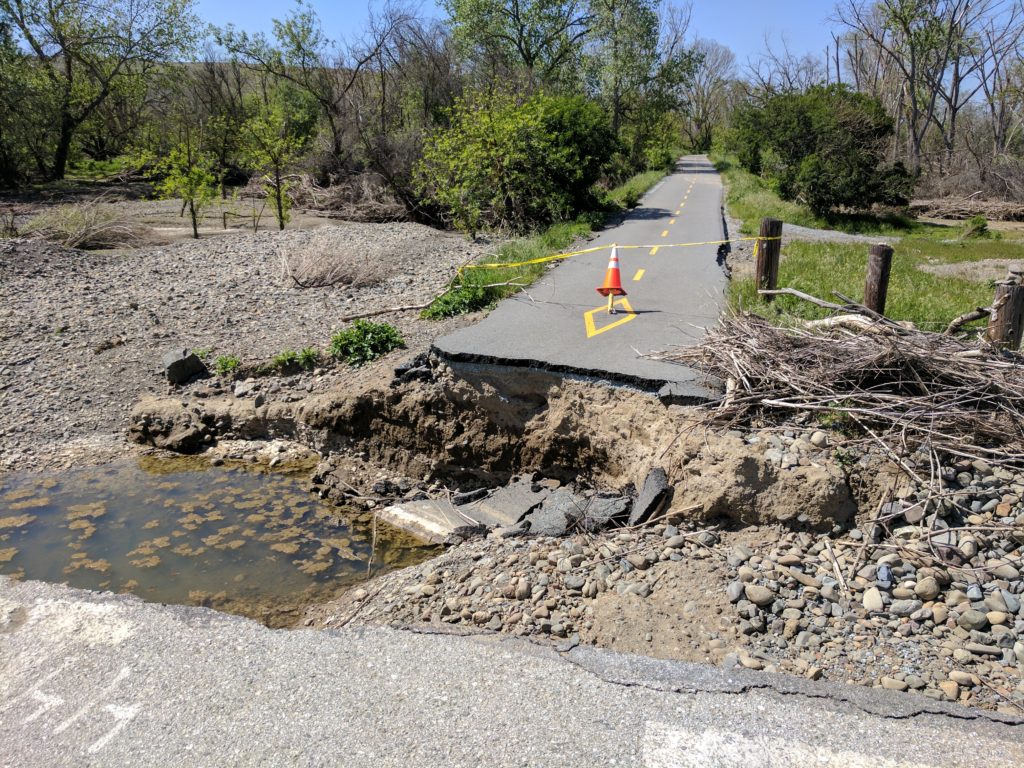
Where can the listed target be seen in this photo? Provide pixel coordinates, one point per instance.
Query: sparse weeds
(227, 365)
(365, 341)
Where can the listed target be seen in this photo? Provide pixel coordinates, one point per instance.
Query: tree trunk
(195, 219)
(63, 152)
(279, 200)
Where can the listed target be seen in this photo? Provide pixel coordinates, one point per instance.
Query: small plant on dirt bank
(308, 358)
(365, 341)
(285, 359)
(226, 365)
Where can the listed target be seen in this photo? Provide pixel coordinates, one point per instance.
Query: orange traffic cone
(612, 282)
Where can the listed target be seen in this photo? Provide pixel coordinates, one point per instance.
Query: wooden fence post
(876, 285)
(1006, 322)
(768, 248)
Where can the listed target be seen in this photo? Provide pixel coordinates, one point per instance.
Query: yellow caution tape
(560, 256)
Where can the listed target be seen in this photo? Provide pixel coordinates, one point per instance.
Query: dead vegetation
(317, 265)
(899, 385)
(968, 207)
(93, 224)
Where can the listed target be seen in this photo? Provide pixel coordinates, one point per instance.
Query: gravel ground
(932, 604)
(82, 333)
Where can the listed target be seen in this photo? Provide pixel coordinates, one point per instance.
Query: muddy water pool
(176, 530)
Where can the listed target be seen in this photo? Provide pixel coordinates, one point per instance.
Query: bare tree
(707, 93)
(779, 70)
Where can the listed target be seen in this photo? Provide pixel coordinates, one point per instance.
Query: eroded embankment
(477, 426)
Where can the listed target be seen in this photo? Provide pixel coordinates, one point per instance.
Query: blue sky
(739, 24)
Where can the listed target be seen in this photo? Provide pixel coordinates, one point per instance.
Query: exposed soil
(983, 271)
(82, 333)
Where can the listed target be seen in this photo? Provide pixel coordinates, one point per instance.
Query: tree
(625, 51)
(706, 103)
(86, 49)
(824, 147)
(274, 139)
(515, 165)
(543, 37)
(188, 174)
(920, 39)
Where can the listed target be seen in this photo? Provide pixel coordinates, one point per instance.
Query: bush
(227, 365)
(365, 341)
(91, 225)
(308, 358)
(503, 164)
(285, 360)
(975, 227)
(824, 147)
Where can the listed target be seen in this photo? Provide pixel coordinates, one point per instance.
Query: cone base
(612, 291)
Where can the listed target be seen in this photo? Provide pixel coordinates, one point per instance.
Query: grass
(929, 301)
(750, 199)
(479, 288)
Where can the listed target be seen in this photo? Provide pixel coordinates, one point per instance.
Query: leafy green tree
(85, 49)
(543, 37)
(515, 165)
(824, 147)
(188, 174)
(274, 140)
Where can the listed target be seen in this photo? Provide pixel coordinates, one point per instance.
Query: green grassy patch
(481, 287)
(750, 199)
(928, 300)
(628, 194)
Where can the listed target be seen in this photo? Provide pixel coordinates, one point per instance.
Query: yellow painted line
(671, 221)
(593, 330)
(654, 250)
(665, 233)
(677, 212)
(638, 275)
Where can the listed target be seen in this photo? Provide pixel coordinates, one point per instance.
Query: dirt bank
(82, 333)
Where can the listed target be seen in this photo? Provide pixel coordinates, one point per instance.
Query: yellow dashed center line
(677, 213)
(665, 233)
(654, 250)
(671, 221)
(638, 275)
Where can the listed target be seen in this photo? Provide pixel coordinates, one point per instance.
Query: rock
(950, 689)
(892, 684)
(966, 679)
(972, 619)
(940, 613)
(735, 591)
(904, 607)
(676, 542)
(996, 617)
(523, 589)
(653, 498)
(927, 588)
(873, 600)
(574, 582)
(819, 439)
(638, 561)
(758, 595)
(182, 365)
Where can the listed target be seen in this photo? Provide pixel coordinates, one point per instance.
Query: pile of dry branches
(903, 387)
(966, 207)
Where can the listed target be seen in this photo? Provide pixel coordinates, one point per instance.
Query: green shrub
(308, 358)
(514, 165)
(825, 147)
(284, 360)
(364, 341)
(975, 227)
(227, 365)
